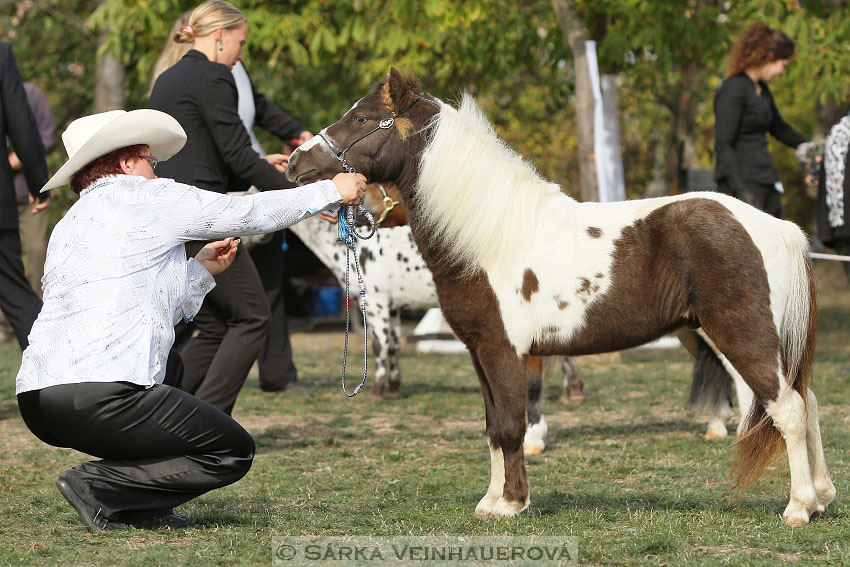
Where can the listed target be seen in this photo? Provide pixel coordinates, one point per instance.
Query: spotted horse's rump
(522, 269)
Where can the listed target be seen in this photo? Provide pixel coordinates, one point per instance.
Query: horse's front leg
(394, 350)
(505, 387)
(378, 318)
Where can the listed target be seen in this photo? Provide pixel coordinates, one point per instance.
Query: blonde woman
(200, 92)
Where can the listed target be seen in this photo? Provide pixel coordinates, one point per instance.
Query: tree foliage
(315, 57)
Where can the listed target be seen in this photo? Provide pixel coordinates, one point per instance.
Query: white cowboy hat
(91, 137)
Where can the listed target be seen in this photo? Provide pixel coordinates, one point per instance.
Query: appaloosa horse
(521, 268)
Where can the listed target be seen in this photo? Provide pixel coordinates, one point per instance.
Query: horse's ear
(399, 91)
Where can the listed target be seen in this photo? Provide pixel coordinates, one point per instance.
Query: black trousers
(277, 370)
(231, 326)
(19, 303)
(159, 447)
(763, 197)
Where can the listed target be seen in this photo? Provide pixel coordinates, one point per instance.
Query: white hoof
(716, 430)
(485, 507)
(534, 441)
(533, 449)
(797, 512)
(825, 497)
(507, 509)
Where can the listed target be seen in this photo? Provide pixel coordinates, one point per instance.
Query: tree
(578, 35)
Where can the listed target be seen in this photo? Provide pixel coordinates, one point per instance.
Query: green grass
(627, 472)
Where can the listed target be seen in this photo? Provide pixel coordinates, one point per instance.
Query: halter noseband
(385, 124)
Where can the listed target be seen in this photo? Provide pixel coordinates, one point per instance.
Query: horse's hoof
(716, 434)
(484, 510)
(797, 513)
(573, 400)
(530, 450)
(507, 509)
(795, 521)
(391, 395)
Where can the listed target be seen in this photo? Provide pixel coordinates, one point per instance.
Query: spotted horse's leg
(535, 434)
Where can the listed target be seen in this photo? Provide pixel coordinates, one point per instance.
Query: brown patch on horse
(530, 285)
(561, 303)
(594, 232)
(690, 258)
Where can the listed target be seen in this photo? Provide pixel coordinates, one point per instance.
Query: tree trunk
(679, 150)
(109, 82)
(577, 34)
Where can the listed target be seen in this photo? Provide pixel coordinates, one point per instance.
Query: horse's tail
(711, 385)
(761, 442)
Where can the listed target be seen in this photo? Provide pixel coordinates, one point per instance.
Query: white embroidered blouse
(117, 280)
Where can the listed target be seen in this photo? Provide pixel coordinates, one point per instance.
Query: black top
(741, 120)
(18, 124)
(218, 155)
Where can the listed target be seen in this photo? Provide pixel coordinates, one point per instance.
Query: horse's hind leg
(789, 416)
(784, 407)
(535, 434)
(820, 475)
(573, 381)
(504, 386)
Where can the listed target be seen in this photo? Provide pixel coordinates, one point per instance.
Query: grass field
(627, 472)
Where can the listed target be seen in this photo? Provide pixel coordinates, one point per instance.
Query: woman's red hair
(757, 45)
(109, 164)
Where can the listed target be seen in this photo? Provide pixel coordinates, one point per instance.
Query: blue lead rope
(348, 235)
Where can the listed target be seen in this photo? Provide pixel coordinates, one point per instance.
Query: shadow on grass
(9, 410)
(548, 503)
(606, 430)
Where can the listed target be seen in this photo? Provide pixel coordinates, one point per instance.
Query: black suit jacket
(272, 118)
(742, 119)
(202, 96)
(18, 124)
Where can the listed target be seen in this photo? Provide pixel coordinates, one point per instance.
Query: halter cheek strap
(385, 124)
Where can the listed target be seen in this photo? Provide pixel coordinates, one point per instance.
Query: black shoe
(91, 518)
(170, 521)
(298, 389)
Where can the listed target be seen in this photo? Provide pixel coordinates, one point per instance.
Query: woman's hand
(279, 161)
(351, 186)
(218, 256)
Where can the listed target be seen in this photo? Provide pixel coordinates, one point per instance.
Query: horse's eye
(360, 119)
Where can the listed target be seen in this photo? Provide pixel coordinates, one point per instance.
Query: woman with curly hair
(745, 112)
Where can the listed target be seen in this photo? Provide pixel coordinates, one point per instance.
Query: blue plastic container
(328, 301)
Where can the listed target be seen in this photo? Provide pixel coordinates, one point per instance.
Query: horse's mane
(476, 196)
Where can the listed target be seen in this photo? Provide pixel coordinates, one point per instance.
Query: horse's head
(374, 138)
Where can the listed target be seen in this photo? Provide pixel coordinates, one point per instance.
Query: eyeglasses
(151, 159)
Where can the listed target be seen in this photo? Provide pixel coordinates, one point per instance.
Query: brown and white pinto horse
(522, 269)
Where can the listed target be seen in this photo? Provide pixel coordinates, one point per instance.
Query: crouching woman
(99, 375)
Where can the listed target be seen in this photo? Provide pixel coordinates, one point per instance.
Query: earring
(220, 46)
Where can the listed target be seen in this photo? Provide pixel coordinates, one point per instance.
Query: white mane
(477, 196)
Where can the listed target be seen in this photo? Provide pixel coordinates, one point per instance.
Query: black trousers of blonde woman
(229, 332)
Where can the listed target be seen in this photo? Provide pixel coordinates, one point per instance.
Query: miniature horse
(522, 269)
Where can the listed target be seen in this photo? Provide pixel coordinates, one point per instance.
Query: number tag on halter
(388, 123)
